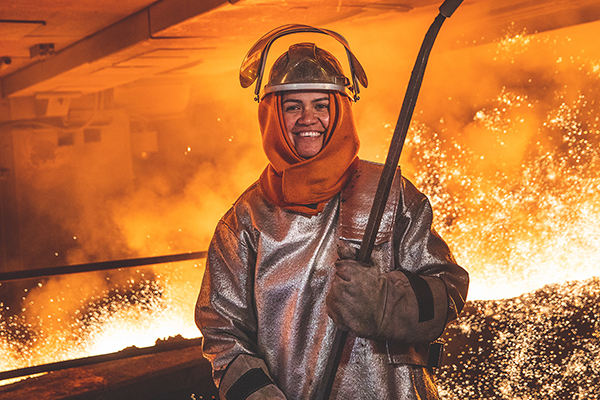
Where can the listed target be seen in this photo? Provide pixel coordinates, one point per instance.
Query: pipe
(99, 266)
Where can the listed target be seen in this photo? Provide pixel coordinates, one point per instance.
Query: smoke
(207, 156)
(504, 142)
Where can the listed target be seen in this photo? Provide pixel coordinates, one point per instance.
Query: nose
(308, 117)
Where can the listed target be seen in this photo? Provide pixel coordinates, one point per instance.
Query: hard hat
(303, 67)
(306, 67)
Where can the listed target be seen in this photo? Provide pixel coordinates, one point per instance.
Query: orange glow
(87, 314)
(516, 188)
(504, 141)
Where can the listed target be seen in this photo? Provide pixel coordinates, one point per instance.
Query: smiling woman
(281, 277)
(306, 118)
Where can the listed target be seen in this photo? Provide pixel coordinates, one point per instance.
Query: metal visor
(253, 66)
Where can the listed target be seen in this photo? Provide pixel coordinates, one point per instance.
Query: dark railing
(98, 266)
(161, 345)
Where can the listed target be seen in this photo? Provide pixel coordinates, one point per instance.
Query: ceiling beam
(127, 32)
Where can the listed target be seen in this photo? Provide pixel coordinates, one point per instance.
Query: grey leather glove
(357, 298)
(383, 306)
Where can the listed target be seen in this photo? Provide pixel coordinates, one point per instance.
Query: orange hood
(300, 184)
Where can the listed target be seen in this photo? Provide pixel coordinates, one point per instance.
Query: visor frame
(301, 87)
(253, 66)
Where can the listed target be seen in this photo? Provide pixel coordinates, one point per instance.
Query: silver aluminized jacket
(269, 270)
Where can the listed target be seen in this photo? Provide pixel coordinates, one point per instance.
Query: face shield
(303, 67)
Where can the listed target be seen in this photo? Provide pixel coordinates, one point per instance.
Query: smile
(308, 134)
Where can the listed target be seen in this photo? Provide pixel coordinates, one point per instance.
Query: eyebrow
(300, 101)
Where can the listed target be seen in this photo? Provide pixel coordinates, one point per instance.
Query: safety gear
(304, 185)
(377, 305)
(316, 67)
(248, 377)
(306, 67)
(357, 298)
(268, 272)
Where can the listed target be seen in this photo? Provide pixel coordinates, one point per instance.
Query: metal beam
(132, 30)
(99, 266)
(167, 13)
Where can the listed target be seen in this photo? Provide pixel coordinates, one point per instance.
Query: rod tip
(449, 6)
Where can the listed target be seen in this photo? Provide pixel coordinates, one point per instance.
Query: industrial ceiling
(66, 46)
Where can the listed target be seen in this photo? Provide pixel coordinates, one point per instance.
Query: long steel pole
(386, 179)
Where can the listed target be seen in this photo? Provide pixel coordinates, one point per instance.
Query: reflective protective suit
(269, 271)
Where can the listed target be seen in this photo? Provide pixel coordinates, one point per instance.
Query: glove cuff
(414, 313)
(245, 377)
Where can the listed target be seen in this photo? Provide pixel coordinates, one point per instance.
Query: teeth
(309, 134)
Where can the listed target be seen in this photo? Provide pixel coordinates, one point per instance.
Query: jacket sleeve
(224, 311)
(247, 378)
(226, 315)
(427, 289)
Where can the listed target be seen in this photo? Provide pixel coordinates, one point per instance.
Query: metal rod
(22, 21)
(161, 346)
(386, 179)
(99, 266)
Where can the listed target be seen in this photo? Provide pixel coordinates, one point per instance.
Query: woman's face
(306, 117)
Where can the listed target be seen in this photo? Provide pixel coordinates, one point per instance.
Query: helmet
(303, 67)
(306, 67)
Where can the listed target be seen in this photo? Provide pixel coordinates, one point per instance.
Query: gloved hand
(357, 298)
(384, 306)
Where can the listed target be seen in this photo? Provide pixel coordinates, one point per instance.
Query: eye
(291, 108)
(322, 106)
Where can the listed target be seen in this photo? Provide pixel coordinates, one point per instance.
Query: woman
(281, 275)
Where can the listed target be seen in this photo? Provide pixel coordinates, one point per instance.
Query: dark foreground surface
(169, 375)
(541, 345)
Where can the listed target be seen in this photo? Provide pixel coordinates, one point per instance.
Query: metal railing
(168, 345)
(99, 266)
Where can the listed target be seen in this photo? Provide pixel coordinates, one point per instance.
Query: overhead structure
(111, 43)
